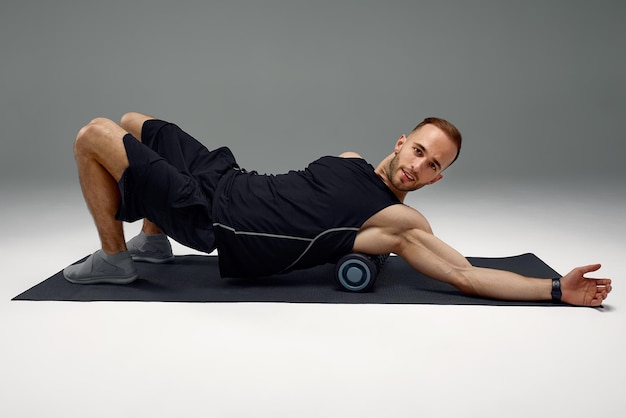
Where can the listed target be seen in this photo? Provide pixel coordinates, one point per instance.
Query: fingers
(604, 284)
(596, 300)
(602, 291)
(593, 291)
(603, 287)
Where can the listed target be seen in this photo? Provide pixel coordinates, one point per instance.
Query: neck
(384, 173)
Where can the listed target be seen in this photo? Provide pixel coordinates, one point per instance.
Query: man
(260, 224)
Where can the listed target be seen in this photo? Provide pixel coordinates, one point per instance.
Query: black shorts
(171, 181)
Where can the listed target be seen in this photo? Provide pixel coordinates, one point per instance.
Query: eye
(433, 166)
(418, 151)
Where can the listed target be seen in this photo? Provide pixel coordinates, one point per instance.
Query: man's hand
(582, 291)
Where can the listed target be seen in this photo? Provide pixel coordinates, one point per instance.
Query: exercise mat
(195, 278)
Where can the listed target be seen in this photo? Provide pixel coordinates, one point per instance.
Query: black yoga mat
(195, 278)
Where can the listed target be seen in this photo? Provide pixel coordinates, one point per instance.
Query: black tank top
(269, 224)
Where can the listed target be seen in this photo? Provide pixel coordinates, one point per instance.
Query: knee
(133, 123)
(88, 134)
(128, 119)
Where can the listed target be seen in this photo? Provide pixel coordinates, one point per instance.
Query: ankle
(154, 235)
(112, 250)
(116, 257)
(151, 230)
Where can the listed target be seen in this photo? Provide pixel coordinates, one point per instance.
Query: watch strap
(556, 290)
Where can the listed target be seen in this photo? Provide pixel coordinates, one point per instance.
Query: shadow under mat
(196, 278)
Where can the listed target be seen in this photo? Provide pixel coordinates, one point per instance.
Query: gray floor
(232, 360)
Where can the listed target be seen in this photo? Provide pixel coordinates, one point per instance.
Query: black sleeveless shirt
(269, 224)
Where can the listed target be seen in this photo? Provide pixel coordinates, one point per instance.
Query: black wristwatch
(556, 290)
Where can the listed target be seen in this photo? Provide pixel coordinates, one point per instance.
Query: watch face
(556, 290)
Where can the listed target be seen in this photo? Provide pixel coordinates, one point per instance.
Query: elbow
(464, 284)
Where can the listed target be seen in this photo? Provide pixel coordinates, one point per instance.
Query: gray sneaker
(150, 248)
(102, 268)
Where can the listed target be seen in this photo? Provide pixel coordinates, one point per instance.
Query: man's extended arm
(405, 232)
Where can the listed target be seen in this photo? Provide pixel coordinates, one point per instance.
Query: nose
(416, 165)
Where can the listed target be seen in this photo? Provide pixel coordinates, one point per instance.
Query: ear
(399, 143)
(436, 179)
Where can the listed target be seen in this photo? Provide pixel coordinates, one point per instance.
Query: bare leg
(101, 160)
(133, 123)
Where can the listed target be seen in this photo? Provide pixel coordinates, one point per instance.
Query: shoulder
(398, 218)
(350, 154)
(388, 229)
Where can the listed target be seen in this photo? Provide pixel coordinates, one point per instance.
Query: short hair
(448, 128)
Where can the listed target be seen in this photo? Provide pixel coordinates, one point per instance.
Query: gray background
(537, 87)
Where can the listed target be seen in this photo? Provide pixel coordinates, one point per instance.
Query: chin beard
(394, 169)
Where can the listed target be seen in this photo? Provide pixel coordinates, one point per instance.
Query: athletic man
(263, 224)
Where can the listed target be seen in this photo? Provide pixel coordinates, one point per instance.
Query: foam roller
(357, 272)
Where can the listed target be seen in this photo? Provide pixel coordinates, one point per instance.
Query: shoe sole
(104, 279)
(152, 260)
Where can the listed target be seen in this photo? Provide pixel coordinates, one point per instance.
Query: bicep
(384, 232)
(422, 244)
(432, 257)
